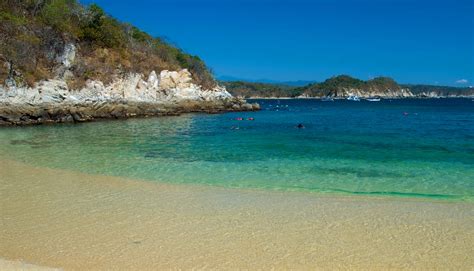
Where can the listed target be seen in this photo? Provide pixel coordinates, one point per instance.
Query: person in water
(300, 126)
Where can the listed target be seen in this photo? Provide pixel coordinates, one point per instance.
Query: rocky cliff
(128, 95)
(169, 93)
(64, 62)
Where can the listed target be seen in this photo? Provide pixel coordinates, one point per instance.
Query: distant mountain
(440, 91)
(343, 86)
(265, 90)
(296, 83)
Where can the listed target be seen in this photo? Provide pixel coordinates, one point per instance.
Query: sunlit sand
(73, 221)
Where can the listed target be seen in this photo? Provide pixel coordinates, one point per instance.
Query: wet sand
(22, 266)
(75, 221)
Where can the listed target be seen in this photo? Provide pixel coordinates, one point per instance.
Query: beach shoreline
(7, 265)
(74, 221)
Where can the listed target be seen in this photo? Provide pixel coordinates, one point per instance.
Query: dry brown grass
(32, 41)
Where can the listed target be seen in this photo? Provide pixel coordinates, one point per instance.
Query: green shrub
(182, 59)
(57, 13)
(102, 29)
(139, 35)
(12, 18)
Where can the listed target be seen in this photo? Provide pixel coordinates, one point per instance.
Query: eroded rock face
(65, 61)
(175, 80)
(169, 93)
(68, 56)
(169, 86)
(389, 93)
(172, 92)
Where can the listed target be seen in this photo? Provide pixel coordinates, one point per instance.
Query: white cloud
(461, 81)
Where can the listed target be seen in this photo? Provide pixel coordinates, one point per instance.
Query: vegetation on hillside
(329, 87)
(334, 86)
(33, 34)
(264, 90)
(337, 82)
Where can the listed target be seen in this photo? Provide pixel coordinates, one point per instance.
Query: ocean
(413, 148)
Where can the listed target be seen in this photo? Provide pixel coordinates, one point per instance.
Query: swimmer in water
(300, 126)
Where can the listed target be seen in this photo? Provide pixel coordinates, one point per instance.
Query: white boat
(354, 98)
(373, 99)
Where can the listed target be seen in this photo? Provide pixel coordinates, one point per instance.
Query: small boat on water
(327, 99)
(373, 99)
(353, 98)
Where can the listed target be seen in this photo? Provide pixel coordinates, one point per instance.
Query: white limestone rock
(66, 60)
(68, 56)
(169, 86)
(153, 80)
(51, 91)
(175, 80)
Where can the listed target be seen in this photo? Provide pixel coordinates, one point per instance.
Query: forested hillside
(343, 86)
(33, 33)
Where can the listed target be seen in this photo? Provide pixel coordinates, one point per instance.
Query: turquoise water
(411, 148)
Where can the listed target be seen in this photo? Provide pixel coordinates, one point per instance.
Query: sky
(429, 42)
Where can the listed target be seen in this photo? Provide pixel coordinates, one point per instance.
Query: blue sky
(411, 41)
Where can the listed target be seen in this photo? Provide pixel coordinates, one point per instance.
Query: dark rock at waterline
(27, 114)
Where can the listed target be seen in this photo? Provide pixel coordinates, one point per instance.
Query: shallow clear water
(412, 148)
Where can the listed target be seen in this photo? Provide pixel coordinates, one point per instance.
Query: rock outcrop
(366, 93)
(66, 62)
(169, 93)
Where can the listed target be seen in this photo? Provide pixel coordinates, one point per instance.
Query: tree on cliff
(34, 32)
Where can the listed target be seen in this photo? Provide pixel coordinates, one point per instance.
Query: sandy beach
(22, 266)
(74, 221)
